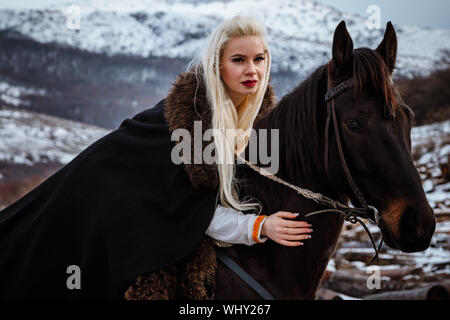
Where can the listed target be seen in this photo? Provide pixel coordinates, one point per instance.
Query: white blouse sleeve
(232, 226)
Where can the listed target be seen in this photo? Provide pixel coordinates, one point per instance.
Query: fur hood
(180, 113)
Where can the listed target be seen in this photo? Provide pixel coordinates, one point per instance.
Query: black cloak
(119, 209)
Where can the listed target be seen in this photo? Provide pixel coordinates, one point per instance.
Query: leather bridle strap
(244, 275)
(352, 215)
(331, 113)
(367, 212)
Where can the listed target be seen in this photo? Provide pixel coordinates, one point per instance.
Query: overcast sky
(424, 13)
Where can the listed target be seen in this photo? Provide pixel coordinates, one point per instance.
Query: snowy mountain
(299, 32)
(120, 57)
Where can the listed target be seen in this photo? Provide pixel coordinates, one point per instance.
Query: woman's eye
(238, 60)
(353, 125)
(260, 59)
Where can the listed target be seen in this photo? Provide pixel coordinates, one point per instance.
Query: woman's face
(242, 67)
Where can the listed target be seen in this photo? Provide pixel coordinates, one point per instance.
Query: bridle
(367, 212)
(351, 214)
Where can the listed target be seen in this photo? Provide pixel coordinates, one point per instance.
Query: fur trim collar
(180, 113)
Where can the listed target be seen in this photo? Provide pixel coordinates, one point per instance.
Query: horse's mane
(302, 111)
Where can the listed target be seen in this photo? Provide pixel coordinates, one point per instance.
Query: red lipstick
(250, 83)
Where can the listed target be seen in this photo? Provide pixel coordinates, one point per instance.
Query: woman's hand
(286, 232)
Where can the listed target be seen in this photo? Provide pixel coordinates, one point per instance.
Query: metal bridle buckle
(376, 214)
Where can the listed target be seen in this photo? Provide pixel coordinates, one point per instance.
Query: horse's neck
(291, 273)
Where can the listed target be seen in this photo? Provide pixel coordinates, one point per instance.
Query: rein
(351, 214)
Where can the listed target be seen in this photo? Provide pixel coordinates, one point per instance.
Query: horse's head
(374, 127)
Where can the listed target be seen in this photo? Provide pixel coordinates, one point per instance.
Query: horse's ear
(342, 47)
(388, 47)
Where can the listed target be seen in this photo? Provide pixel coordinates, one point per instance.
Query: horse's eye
(353, 125)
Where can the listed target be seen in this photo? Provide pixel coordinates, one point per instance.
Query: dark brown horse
(374, 127)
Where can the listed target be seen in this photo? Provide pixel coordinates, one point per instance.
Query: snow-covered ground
(13, 95)
(29, 137)
(431, 147)
(300, 32)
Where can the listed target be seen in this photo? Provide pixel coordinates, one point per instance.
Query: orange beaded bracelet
(256, 227)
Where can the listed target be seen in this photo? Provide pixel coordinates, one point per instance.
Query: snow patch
(29, 137)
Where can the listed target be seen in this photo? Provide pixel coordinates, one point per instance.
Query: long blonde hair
(225, 117)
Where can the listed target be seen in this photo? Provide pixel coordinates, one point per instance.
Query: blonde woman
(125, 210)
(235, 66)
